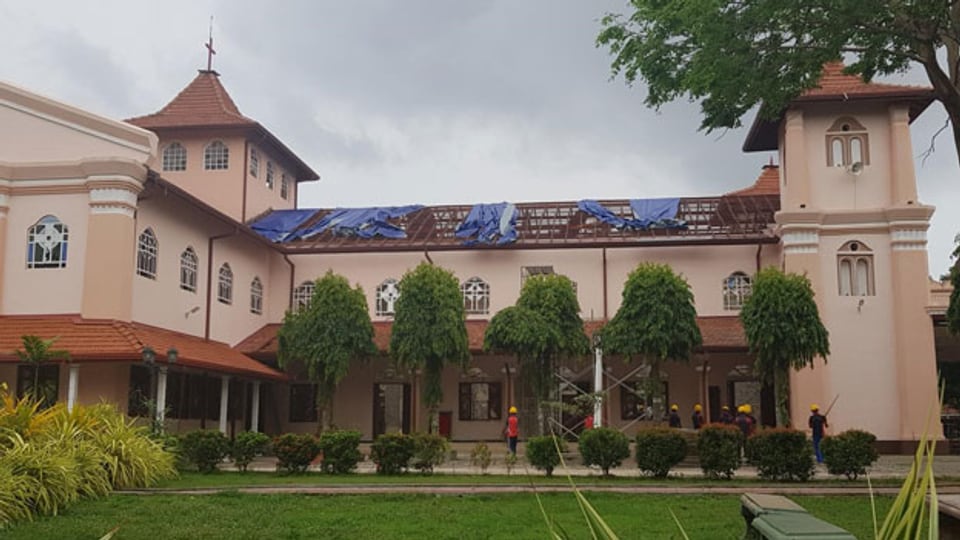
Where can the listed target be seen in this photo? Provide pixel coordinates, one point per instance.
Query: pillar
(255, 408)
(4, 205)
(795, 194)
(598, 387)
(903, 181)
(224, 401)
(72, 385)
(161, 402)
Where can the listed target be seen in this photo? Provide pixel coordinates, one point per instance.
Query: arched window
(256, 296)
(476, 296)
(386, 298)
(47, 243)
(737, 287)
(302, 295)
(284, 186)
(270, 174)
(216, 156)
(847, 143)
(188, 270)
(254, 162)
(225, 284)
(147, 254)
(174, 157)
(855, 270)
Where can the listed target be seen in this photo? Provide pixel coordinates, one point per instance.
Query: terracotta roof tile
(90, 340)
(204, 102)
(768, 183)
(719, 333)
(836, 84)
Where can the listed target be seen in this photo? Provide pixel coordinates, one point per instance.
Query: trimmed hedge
(604, 447)
(246, 446)
(341, 451)
(205, 448)
(719, 449)
(849, 453)
(429, 450)
(295, 451)
(781, 454)
(659, 450)
(542, 452)
(392, 452)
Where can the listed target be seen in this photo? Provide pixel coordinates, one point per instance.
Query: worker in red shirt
(512, 431)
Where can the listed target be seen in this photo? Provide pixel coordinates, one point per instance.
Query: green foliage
(604, 447)
(429, 450)
(205, 448)
(16, 495)
(429, 328)
(35, 352)
(953, 310)
(542, 327)
(481, 457)
(542, 452)
(719, 449)
(659, 450)
(295, 451)
(783, 328)
(246, 446)
(133, 459)
(849, 453)
(327, 336)
(341, 451)
(510, 462)
(781, 455)
(392, 452)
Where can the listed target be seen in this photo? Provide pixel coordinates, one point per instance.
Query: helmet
(725, 408)
(674, 407)
(741, 409)
(697, 407)
(513, 410)
(747, 408)
(814, 407)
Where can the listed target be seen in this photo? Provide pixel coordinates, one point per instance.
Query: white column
(255, 407)
(224, 400)
(598, 387)
(161, 402)
(72, 384)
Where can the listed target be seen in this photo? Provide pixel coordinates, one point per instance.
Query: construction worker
(697, 417)
(743, 421)
(512, 431)
(675, 416)
(817, 423)
(725, 416)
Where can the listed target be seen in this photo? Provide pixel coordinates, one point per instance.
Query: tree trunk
(781, 391)
(324, 407)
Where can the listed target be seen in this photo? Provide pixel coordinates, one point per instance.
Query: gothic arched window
(188, 270)
(476, 296)
(855, 270)
(256, 296)
(847, 143)
(47, 243)
(302, 295)
(216, 156)
(147, 250)
(174, 157)
(737, 287)
(225, 284)
(386, 297)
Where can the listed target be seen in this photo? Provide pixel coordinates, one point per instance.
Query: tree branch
(930, 149)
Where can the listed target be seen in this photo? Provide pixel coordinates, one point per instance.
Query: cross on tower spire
(209, 46)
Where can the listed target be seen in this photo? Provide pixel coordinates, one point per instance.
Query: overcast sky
(414, 101)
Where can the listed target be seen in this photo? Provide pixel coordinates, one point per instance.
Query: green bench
(775, 517)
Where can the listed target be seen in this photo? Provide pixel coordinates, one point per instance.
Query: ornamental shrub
(849, 453)
(542, 452)
(604, 447)
(205, 448)
(392, 452)
(429, 450)
(295, 451)
(341, 451)
(246, 446)
(659, 450)
(781, 454)
(719, 449)
(481, 457)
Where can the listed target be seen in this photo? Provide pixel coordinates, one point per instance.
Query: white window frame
(189, 262)
(216, 156)
(225, 284)
(254, 168)
(284, 186)
(476, 296)
(47, 243)
(174, 157)
(148, 250)
(303, 295)
(256, 296)
(270, 174)
(386, 298)
(855, 270)
(737, 287)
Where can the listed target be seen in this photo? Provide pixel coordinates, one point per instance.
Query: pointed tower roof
(206, 104)
(835, 85)
(768, 183)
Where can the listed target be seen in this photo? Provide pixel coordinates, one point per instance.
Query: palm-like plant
(37, 351)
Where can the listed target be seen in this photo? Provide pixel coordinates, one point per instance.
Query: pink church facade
(132, 239)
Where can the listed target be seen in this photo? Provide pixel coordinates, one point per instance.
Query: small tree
(429, 329)
(542, 327)
(604, 447)
(953, 311)
(326, 337)
(784, 331)
(37, 351)
(657, 321)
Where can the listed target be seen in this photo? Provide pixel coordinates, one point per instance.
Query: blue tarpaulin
(647, 213)
(277, 225)
(489, 224)
(360, 222)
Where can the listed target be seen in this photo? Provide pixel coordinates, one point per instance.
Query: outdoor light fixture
(172, 355)
(148, 355)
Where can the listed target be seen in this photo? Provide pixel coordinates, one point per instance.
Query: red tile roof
(90, 340)
(204, 102)
(768, 183)
(719, 333)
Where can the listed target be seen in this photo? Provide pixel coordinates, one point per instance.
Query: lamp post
(149, 357)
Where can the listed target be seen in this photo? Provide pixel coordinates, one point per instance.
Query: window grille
(480, 401)
(269, 175)
(303, 295)
(188, 270)
(47, 244)
(147, 251)
(256, 296)
(225, 285)
(174, 157)
(284, 186)
(476, 296)
(386, 298)
(254, 163)
(216, 156)
(737, 287)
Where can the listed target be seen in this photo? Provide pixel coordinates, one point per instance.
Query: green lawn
(512, 516)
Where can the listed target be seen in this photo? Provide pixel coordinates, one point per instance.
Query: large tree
(542, 327)
(326, 337)
(36, 352)
(429, 329)
(657, 321)
(953, 311)
(783, 330)
(733, 55)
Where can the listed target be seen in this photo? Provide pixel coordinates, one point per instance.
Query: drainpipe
(605, 315)
(293, 270)
(759, 249)
(206, 325)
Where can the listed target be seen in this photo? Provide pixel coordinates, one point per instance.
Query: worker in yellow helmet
(512, 430)
(817, 423)
(697, 417)
(674, 418)
(726, 417)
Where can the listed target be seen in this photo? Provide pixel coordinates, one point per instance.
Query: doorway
(391, 408)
